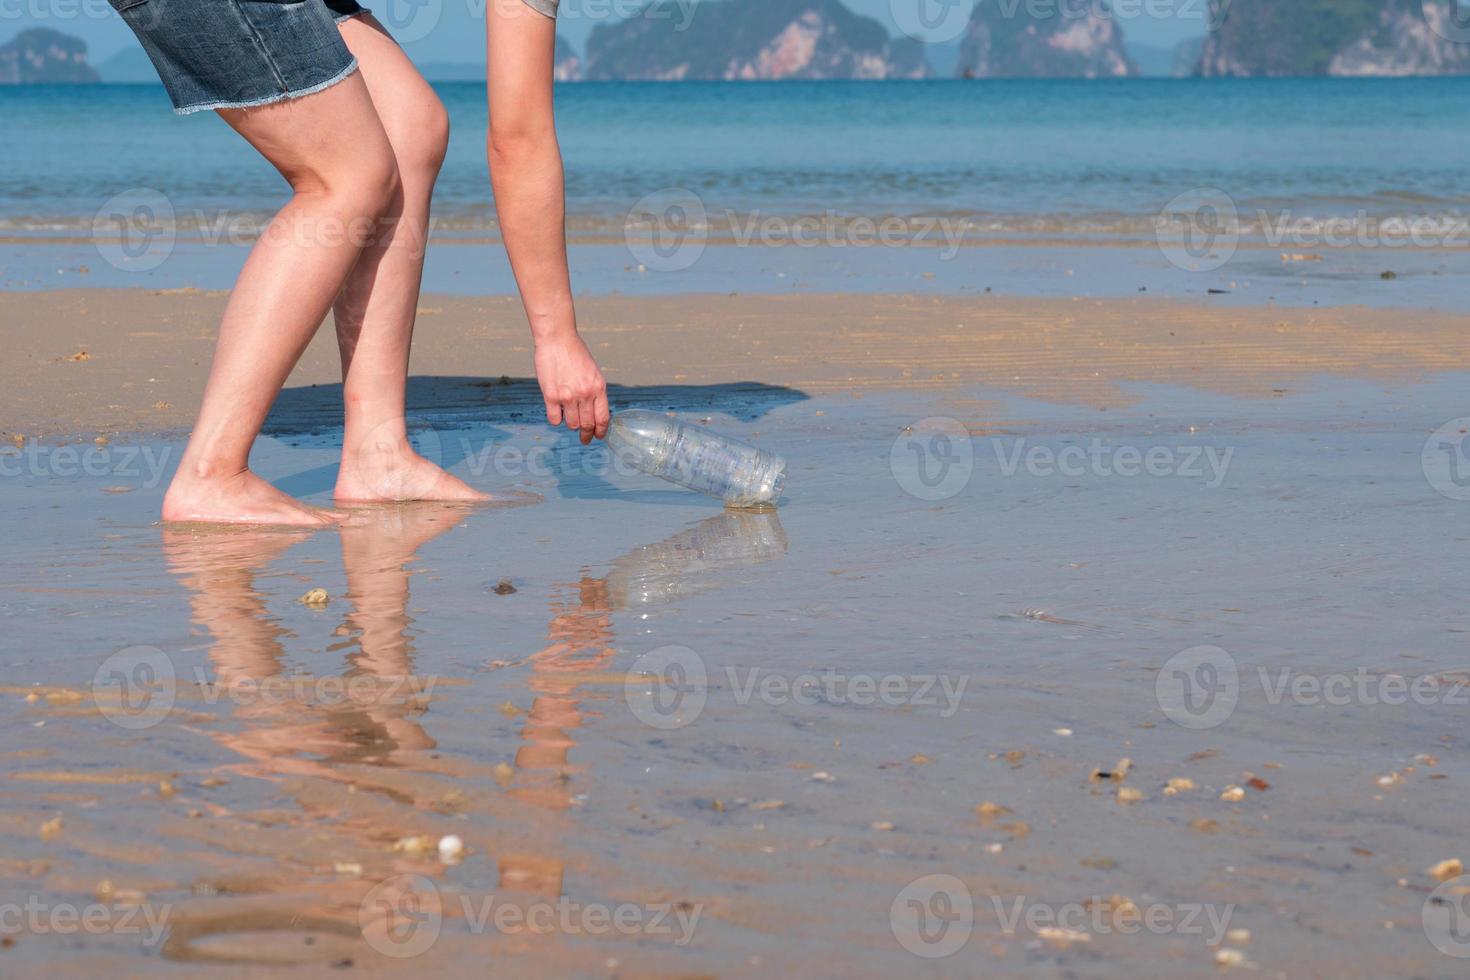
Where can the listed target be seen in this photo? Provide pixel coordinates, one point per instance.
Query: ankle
(376, 449)
(209, 471)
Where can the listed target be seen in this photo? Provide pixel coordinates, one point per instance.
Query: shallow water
(620, 696)
(1429, 279)
(1074, 149)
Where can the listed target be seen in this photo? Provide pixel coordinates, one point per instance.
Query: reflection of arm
(580, 633)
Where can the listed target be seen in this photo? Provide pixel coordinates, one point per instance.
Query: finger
(601, 414)
(569, 412)
(587, 413)
(553, 413)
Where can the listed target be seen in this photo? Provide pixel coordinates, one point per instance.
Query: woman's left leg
(376, 309)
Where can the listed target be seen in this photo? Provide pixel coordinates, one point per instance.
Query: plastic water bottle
(694, 457)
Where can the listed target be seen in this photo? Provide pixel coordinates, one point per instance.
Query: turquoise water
(1028, 154)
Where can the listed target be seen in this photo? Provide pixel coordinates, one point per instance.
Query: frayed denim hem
(271, 99)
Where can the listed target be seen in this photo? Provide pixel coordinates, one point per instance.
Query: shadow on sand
(437, 405)
(453, 402)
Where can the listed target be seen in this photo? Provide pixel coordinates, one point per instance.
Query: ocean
(1024, 156)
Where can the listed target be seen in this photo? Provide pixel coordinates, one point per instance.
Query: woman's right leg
(333, 151)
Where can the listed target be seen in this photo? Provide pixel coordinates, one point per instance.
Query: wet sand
(97, 362)
(759, 736)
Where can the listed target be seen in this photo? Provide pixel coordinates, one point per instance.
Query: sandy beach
(1110, 624)
(963, 711)
(88, 363)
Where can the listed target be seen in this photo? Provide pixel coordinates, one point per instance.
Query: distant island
(1348, 38)
(41, 56)
(757, 40)
(1054, 41)
(750, 40)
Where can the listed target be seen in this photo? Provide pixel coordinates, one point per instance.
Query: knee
(373, 188)
(421, 144)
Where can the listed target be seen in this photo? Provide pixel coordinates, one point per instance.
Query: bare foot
(240, 498)
(398, 473)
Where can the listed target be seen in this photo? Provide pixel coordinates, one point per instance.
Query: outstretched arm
(526, 174)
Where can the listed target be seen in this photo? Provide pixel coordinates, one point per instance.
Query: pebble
(51, 828)
(1233, 794)
(1447, 869)
(451, 848)
(315, 597)
(988, 811)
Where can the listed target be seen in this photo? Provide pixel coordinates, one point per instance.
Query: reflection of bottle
(697, 458)
(690, 562)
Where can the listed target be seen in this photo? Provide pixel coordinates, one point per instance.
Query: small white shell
(450, 848)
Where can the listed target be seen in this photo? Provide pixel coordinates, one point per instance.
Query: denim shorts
(234, 54)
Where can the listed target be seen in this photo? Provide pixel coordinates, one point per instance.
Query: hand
(572, 386)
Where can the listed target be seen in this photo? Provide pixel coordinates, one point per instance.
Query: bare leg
(332, 150)
(375, 313)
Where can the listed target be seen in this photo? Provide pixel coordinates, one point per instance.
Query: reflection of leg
(375, 313)
(377, 549)
(332, 150)
(219, 569)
